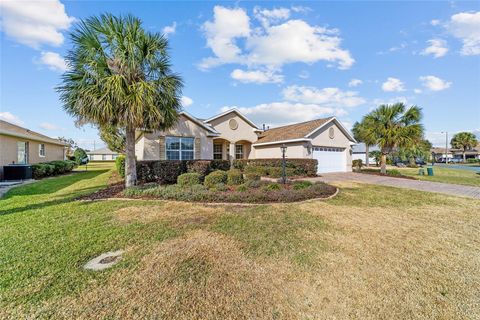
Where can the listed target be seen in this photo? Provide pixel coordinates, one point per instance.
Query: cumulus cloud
(417, 91)
(7, 116)
(434, 83)
(379, 101)
(279, 113)
(53, 60)
(437, 47)
(186, 101)
(34, 23)
(435, 22)
(355, 82)
(170, 29)
(332, 97)
(393, 84)
(256, 76)
(49, 126)
(272, 44)
(466, 27)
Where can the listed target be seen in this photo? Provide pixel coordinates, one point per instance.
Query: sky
(277, 62)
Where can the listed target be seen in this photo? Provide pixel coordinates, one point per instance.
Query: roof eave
(281, 141)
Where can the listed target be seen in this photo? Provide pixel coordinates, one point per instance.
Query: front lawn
(370, 252)
(447, 175)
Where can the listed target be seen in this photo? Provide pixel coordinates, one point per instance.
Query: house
(359, 152)
(19, 145)
(231, 135)
(103, 154)
(455, 154)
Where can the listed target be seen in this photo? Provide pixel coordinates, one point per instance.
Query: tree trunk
(464, 156)
(367, 153)
(130, 165)
(412, 162)
(383, 163)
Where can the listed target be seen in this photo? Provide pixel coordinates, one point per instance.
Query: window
(217, 152)
(22, 152)
(239, 151)
(114, 156)
(41, 150)
(179, 148)
(104, 157)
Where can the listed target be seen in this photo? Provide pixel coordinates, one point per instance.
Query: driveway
(445, 188)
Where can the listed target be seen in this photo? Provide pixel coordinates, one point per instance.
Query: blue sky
(278, 62)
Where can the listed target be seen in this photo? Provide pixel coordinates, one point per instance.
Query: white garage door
(330, 159)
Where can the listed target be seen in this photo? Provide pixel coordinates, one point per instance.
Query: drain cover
(104, 261)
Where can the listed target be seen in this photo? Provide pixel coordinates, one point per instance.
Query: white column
(232, 152)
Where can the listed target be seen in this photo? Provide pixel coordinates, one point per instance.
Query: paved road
(445, 188)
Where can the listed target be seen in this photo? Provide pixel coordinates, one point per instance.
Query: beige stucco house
(102, 154)
(22, 146)
(231, 135)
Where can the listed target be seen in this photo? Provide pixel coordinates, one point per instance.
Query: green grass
(185, 260)
(455, 176)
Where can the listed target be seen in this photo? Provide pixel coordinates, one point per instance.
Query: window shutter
(161, 143)
(197, 148)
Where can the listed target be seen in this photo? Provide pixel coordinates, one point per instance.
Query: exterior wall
(99, 157)
(294, 150)
(321, 138)
(8, 151)
(153, 143)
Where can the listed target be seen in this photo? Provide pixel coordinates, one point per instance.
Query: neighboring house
(231, 135)
(359, 153)
(22, 146)
(103, 154)
(439, 153)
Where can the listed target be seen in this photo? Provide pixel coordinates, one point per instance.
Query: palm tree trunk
(383, 163)
(130, 165)
(367, 152)
(464, 156)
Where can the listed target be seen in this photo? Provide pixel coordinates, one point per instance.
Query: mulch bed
(387, 175)
(112, 191)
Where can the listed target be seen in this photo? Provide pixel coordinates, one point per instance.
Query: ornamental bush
(234, 177)
(299, 185)
(214, 178)
(188, 179)
(295, 167)
(52, 168)
(272, 187)
(120, 165)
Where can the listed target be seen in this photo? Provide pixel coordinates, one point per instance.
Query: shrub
(252, 176)
(120, 165)
(299, 185)
(220, 187)
(202, 167)
(473, 160)
(80, 155)
(242, 188)
(305, 167)
(41, 170)
(253, 183)
(214, 178)
(223, 165)
(59, 167)
(188, 179)
(357, 164)
(49, 169)
(394, 172)
(234, 177)
(272, 187)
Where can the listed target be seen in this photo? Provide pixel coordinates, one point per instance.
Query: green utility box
(430, 171)
(421, 172)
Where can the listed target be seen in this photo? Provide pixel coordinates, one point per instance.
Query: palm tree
(394, 126)
(362, 132)
(464, 141)
(119, 75)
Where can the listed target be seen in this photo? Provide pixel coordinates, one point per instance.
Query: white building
(103, 154)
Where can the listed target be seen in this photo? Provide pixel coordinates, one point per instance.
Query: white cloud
(7, 116)
(332, 97)
(170, 29)
(266, 17)
(34, 23)
(434, 83)
(355, 82)
(256, 76)
(435, 22)
(437, 47)
(301, 9)
(379, 101)
(49, 126)
(186, 101)
(53, 60)
(417, 91)
(277, 113)
(393, 84)
(466, 27)
(269, 45)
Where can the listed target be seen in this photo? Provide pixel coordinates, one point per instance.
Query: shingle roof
(102, 151)
(292, 131)
(10, 129)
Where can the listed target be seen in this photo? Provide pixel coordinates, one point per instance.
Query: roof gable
(236, 111)
(11, 129)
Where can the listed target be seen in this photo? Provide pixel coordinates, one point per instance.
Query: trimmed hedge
(52, 168)
(120, 165)
(212, 180)
(188, 179)
(294, 167)
(234, 177)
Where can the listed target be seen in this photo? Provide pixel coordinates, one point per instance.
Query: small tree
(376, 156)
(464, 141)
(71, 145)
(362, 132)
(79, 155)
(394, 126)
(114, 138)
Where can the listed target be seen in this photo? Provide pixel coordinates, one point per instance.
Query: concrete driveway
(437, 187)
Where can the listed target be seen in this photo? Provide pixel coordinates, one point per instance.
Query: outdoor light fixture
(284, 175)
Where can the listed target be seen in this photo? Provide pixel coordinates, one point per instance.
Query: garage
(330, 159)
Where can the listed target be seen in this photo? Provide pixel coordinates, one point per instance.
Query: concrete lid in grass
(104, 261)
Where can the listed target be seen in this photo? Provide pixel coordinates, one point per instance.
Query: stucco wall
(99, 157)
(244, 131)
(8, 151)
(184, 128)
(294, 150)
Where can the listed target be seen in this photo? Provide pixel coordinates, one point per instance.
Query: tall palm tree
(119, 75)
(362, 132)
(464, 141)
(394, 126)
